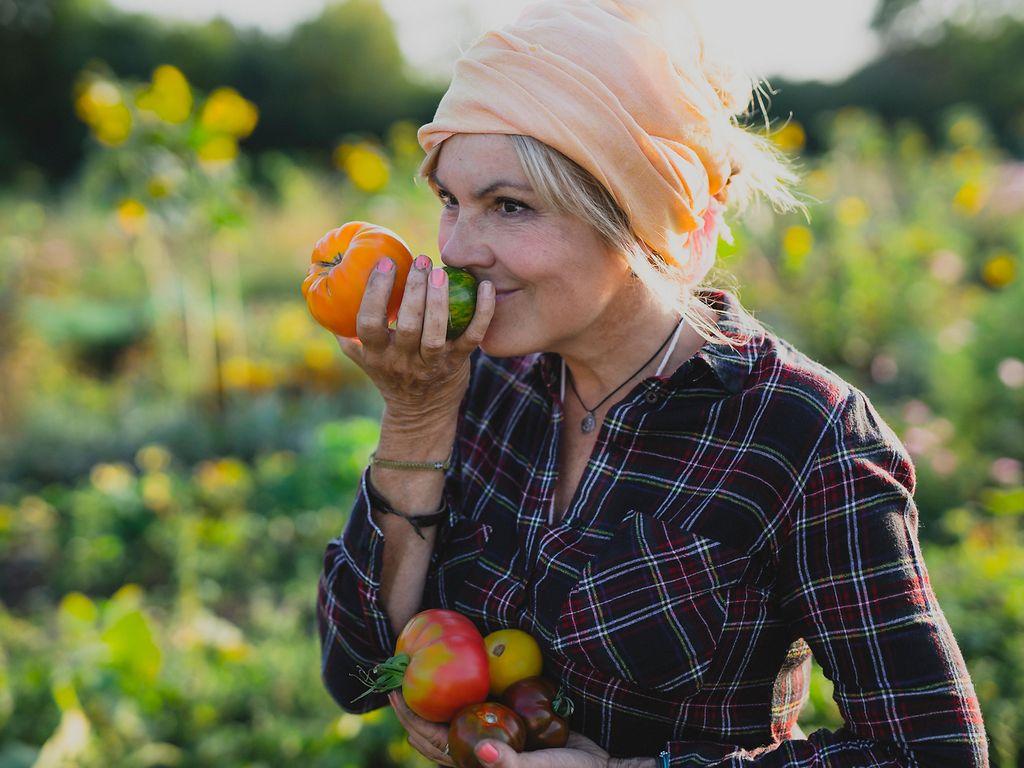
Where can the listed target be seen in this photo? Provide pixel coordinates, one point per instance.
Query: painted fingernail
(422, 262)
(487, 753)
(437, 277)
(385, 265)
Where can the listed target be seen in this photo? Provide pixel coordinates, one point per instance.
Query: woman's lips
(502, 295)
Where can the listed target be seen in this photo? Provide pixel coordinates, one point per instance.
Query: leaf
(132, 647)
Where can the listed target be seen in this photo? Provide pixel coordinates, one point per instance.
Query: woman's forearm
(406, 556)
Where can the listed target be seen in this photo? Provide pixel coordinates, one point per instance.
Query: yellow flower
(112, 479)
(966, 130)
(242, 373)
(341, 153)
(320, 354)
(797, 243)
(169, 97)
(35, 513)
(153, 458)
(234, 372)
(967, 160)
(218, 477)
(402, 138)
(291, 325)
(348, 726)
(114, 128)
(970, 198)
(791, 137)
(366, 167)
(94, 97)
(131, 216)
(851, 211)
(156, 491)
(1000, 269)
(101, 106)
(217, 151)
(227, 111)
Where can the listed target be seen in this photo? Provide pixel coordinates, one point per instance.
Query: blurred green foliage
(179, 439)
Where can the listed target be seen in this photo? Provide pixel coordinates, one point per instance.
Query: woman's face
(553, 274)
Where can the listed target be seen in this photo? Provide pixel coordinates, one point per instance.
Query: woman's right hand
(415, 368)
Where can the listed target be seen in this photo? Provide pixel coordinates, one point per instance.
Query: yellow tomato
(511, 655)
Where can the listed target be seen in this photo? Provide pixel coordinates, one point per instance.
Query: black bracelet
(416, 521)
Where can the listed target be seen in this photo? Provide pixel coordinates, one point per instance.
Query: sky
(796, 39)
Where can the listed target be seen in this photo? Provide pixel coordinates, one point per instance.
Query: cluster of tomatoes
(447, 670)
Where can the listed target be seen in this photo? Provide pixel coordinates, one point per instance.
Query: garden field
(179, 440)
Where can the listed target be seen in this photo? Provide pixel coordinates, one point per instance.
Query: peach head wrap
(622, 88)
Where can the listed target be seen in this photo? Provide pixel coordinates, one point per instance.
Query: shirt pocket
(650, 607)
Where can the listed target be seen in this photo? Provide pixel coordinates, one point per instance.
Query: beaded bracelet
(392, 464)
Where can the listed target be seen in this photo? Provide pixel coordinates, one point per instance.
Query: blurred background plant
(179, 440)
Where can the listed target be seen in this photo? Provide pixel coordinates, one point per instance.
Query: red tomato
(440, 663)
(473, 724)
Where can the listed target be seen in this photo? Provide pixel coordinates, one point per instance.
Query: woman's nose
(464, 248)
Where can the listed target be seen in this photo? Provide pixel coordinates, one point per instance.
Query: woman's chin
(498, 344)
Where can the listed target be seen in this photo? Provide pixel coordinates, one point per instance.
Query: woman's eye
(447, 202)
(506, 201)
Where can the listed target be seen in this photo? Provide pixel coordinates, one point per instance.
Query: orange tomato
(512, 655)
(340, 268)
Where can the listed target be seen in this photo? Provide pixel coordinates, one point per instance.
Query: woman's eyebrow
(482, 193)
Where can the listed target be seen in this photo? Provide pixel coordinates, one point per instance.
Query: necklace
(589, 421)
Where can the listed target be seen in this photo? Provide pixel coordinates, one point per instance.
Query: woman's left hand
(579, 752)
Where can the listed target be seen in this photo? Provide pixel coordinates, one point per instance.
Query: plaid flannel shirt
(736, 515)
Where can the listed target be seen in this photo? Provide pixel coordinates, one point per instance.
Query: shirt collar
(731, 365)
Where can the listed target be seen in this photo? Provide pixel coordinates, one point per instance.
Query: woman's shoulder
(846, 421)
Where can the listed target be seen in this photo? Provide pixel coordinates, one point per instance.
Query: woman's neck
(600, 360)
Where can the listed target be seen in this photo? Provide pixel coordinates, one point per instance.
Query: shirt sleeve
(354, 627)
(854, 585)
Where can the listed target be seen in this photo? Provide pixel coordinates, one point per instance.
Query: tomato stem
(562, 704)
(389, 675)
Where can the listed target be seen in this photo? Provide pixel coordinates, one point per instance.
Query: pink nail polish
(385, 265)
(437, 277)
(487, 753)
(422, 262)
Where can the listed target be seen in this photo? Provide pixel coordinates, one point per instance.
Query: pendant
(587, 425)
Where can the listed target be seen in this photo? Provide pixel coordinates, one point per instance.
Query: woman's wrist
(418, 438)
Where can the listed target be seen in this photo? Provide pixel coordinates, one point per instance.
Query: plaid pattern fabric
(736, 515)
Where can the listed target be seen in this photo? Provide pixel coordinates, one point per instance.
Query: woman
(679, 505)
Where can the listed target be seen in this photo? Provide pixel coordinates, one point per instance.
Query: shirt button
(651, 396)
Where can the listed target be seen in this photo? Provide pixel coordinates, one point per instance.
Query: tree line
(343, 72)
